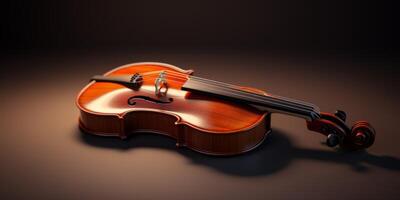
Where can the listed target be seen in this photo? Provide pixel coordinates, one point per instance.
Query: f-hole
(132, 100)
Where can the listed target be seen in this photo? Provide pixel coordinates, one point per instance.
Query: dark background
(336, 54)
(329, 26)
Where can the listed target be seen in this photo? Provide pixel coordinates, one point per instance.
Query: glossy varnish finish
(202, 123)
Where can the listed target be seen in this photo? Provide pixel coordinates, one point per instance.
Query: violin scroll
(360, 136)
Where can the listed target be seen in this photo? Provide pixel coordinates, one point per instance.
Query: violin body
(203, 123)
(207, 116)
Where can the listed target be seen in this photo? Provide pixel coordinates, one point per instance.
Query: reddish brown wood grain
(202, 123)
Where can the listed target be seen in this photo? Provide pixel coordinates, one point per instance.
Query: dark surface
(44, 155)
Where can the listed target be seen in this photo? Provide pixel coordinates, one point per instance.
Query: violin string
(234, 91)
(274, 96)
(269, 97)
(280, 98)
(219, 87)
(279, 104)
(272, 104)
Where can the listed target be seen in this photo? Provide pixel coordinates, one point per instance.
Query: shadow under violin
(273, 155)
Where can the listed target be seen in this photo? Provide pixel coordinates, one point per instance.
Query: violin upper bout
(143, 67)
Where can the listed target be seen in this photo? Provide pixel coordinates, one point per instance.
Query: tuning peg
(341, 115)
(332, 140)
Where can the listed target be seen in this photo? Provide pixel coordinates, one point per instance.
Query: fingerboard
(272, 103)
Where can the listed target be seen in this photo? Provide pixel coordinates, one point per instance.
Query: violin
(204, 115)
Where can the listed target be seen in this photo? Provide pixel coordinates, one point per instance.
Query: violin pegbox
(360, 136)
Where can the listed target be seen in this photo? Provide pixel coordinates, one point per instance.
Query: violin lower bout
(186, 135)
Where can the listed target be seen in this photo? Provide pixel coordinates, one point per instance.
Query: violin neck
(269, 102)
